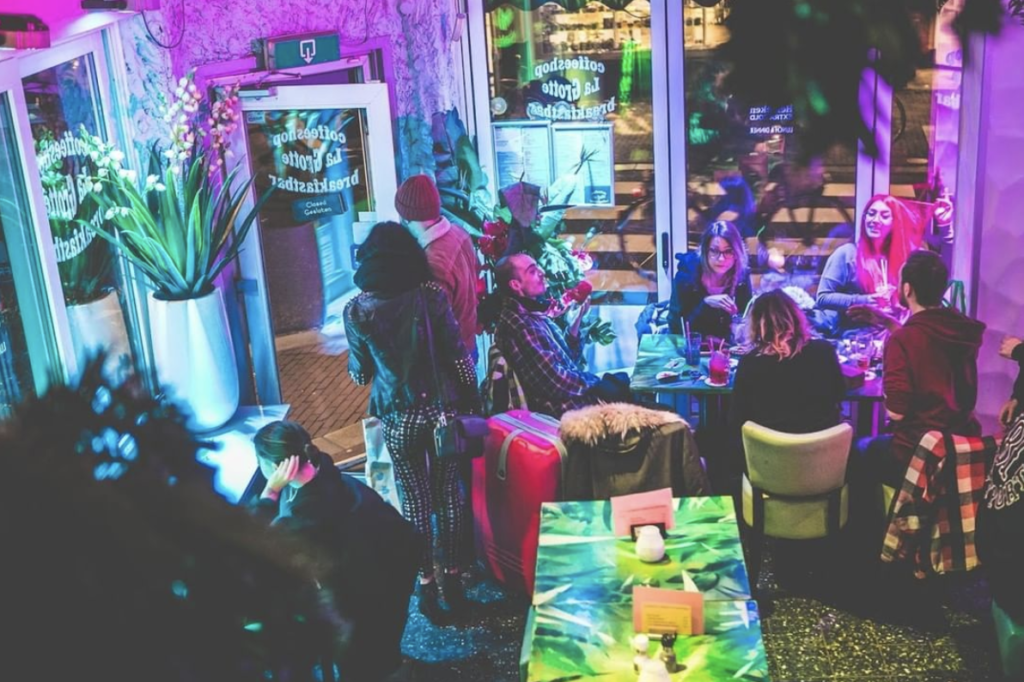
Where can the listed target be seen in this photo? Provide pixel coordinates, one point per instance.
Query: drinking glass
(718, 368)
(693, 341)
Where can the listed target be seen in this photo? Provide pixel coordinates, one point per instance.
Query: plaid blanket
(932, 520)
(500, 388)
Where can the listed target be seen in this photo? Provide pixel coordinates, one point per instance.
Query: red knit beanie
(417, 199)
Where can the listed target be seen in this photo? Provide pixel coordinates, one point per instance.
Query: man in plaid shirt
(545, 362)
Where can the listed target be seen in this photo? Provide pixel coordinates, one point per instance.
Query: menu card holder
(659, 611)
(653, 508)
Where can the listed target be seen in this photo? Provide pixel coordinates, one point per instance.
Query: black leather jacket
(387, 337)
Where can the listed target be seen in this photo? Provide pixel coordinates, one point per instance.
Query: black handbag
(462, 436)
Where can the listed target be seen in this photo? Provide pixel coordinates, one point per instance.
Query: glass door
(742, 165)
(579, 101)
(328, 155)
(29, 359)
(66, 91)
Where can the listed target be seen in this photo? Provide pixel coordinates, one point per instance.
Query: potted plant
(181, 230)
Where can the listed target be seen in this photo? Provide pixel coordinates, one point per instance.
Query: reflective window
(572, 105)
(322, 206)
(926, 113)
(742, 165)
(61, 101)
(15, 365)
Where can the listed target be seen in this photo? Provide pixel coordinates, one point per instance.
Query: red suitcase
(521, 468)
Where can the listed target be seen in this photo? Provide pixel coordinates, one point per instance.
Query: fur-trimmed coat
(619, 449)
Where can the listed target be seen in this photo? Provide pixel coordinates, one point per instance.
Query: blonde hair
(777, 325)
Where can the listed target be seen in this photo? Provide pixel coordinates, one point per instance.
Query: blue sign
(305, 210)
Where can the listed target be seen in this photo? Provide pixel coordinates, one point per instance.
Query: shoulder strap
(433, 357)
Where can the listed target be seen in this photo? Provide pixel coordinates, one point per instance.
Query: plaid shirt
(543, 362)
(925, 524)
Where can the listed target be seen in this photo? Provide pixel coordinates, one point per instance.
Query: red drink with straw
(718, 368)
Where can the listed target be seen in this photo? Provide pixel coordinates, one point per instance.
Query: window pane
(15, 368)
(571, 96)
(742, 165)
(317, 161)
(61, 101)
(926, 113)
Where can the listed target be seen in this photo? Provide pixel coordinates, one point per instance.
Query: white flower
(183, 81)
(159, 187)
(117, 155)
(102, 172)
(97, 187)
(108, 214)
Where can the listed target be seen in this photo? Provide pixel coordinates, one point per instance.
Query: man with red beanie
(450, 252)
(931, 370)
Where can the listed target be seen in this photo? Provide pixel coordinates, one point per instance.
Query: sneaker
(428, 596)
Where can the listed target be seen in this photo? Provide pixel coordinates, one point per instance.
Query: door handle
(664, 251)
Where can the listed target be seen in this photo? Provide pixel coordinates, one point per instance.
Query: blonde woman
(788, 381)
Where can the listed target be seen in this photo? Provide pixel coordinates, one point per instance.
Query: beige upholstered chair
(795, 485)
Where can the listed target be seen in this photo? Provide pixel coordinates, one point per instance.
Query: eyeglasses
(721, 255)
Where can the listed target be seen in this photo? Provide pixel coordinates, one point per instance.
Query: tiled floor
(828, 624)
(315, 382)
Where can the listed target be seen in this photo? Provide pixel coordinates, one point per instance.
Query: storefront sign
(66, 184)
(305, 210)
(767, 121)
(575, 86)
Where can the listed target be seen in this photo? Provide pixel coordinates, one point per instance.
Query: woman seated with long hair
(788, 381)
(712, 284)
(863, 278)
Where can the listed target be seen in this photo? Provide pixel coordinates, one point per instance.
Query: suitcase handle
(502, 469)
(503, 453)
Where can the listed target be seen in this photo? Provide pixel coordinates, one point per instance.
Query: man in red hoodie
(931, 370)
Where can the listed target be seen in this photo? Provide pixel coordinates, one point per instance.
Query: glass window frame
(32, 273)
(668, 25)
(252, 277)
(110, 110)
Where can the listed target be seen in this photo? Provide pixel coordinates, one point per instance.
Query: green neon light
(626, 79)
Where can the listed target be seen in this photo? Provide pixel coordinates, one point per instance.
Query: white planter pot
(194, 357)
(99, 326)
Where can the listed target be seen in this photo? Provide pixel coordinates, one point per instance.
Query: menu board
(522, 152)
(586, 149)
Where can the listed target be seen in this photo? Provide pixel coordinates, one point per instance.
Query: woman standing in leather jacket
(387, 333)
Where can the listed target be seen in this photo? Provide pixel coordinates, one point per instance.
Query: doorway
(326, 153)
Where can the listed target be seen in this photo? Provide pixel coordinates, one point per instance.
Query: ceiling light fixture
(120, 5)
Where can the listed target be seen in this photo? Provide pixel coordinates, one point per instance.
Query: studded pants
(429, 485)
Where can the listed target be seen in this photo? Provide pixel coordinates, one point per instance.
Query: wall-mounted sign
(764, 120)
(586, 149)
(522, 152)
(288, 52)
(305, 210)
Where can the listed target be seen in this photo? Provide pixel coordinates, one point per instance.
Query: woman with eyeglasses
(712, 284)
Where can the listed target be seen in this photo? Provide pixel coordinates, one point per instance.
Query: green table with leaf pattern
(580, 560)
(593, 641)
